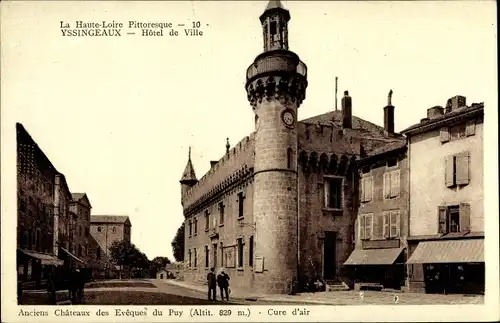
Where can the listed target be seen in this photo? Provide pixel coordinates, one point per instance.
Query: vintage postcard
(264, 161)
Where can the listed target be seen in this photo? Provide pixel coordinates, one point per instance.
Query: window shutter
(394, 183)
(464, 213)
(442, 227)
(369, 189)
(449, 173)
(386, 223)
(393, 219)
(362, 190)
(368, 226)
(463, 168)
(361, 227)
(377, 227)
(395, 214)
(387, 185)
(444, 134)
(470, 128)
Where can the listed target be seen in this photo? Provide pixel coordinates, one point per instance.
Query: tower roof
(274, 6)
(189, 175)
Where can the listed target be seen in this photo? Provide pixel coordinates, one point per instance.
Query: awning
(72, 255)
(448, 251)
(45, 259)
(373, 256)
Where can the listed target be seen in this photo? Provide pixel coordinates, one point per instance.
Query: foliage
(124, 253)
(178, 243)
(157, 264)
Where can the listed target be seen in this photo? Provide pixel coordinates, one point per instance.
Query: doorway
(330, 255)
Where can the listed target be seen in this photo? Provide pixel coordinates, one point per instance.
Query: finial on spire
(389, 98)
(227, 145)
(189, 153)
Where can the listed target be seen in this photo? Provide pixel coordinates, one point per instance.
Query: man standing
(212, 285)
(223, 282)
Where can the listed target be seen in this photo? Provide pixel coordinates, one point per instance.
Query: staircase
(336, 286)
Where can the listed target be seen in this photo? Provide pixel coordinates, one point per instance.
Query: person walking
(212, 285)
(223, 282)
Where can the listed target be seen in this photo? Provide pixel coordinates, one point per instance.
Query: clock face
(288, 118)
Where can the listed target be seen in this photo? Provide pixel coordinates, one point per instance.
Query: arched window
(289, 158)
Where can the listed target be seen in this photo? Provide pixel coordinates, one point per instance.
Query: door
(329, 255)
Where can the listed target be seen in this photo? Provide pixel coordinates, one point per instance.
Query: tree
(178, 244)
(124, 253)
(157, 264)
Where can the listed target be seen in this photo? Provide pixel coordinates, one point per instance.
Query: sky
(116, 115)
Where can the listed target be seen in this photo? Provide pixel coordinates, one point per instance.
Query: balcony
(276, 64)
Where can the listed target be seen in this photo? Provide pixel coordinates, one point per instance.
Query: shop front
(449, 266)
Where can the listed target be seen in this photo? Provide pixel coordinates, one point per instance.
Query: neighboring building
(106, 229)
(162, 274)
(35, 212)
(64, 224)
(382, 223)
(280, 207)
(446, 242)
(175, 270)
(81, 207)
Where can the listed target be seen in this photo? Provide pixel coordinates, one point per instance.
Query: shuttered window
(366, 189)
(444, 134)
(391, 224)
(391, 184)
(470, 128)
(457, 169)
(365, 225)
(454, 218)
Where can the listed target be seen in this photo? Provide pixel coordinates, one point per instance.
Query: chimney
(435, 112)
(457, 102)
(213, 163)
(389, 116)
(346, 111)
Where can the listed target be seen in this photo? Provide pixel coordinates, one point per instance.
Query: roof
(391, 146)
(362, 127)
(78, 197)
(431, 124)
(109, 219)
(274, 4)
(189, 175)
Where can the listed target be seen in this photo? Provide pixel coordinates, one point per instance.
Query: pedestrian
(212, 285)
(223, 282)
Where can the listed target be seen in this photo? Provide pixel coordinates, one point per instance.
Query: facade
(80, 206)
(279, 208)
(105, 230)
(446, 237)
(35, 212)
(378, 260)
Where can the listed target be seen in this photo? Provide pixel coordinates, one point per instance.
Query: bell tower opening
(275, 26)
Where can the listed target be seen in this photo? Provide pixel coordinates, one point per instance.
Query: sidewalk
(343, 297)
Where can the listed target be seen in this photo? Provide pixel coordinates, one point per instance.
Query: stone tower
(188, 178)
(276, 85)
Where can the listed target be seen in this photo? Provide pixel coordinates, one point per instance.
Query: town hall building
(280, 207)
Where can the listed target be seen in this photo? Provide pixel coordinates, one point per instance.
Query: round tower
(276, 86)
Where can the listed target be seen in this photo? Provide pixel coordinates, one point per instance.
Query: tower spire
(189, 176)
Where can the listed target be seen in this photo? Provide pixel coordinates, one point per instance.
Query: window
(391, 184)
(195, 257)
(458, 131)
(241, 199)
(333, 193)
(365, 226)
(207, 260)
(189, 262)
(457, 169)
(195, 226)
(454, 218)
(87, 232)
(207, 220)
(221, 214)
(190, 228)
(273, 29)
(114, 229)
(250, 252)
(240, 252)
(98, 253)
(366, 189)
(99, 229)
(391, 224)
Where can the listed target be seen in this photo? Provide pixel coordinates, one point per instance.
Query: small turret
(188, 176)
